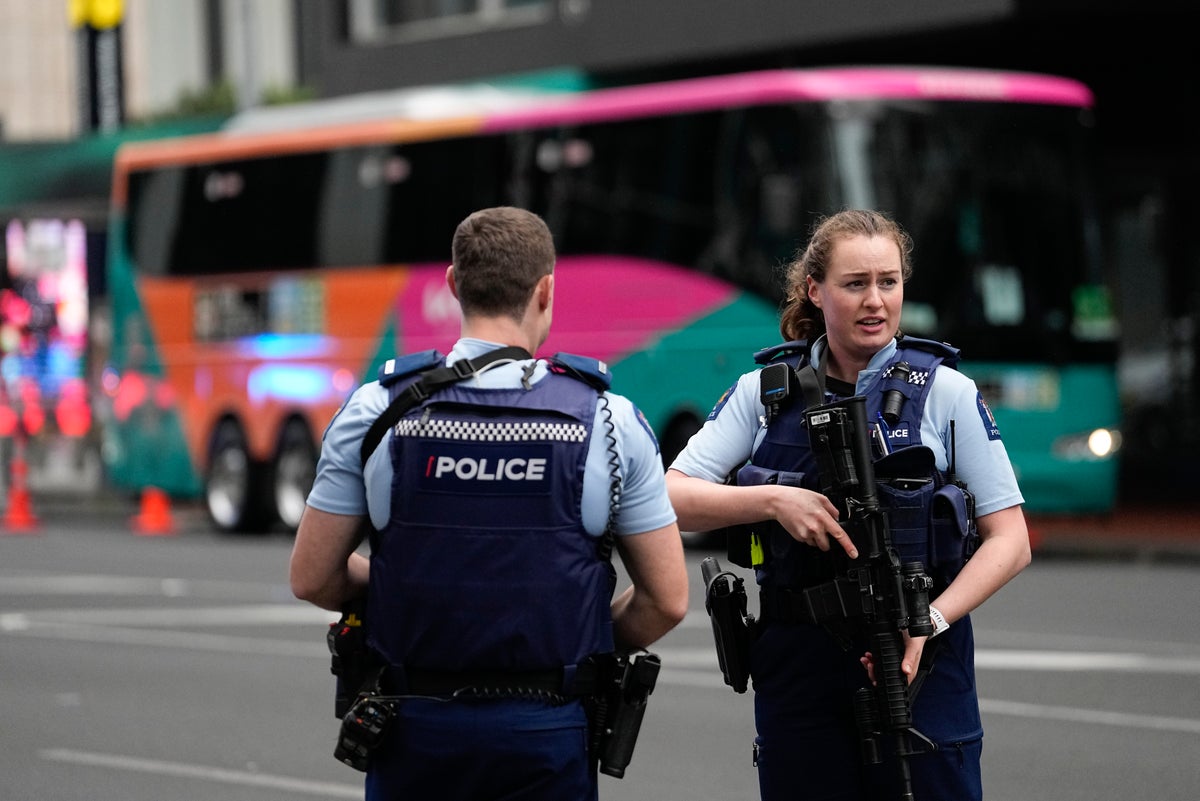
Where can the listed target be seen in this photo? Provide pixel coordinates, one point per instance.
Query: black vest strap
(431, 381)
(812, 383)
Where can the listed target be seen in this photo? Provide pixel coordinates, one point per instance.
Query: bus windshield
(997, 201)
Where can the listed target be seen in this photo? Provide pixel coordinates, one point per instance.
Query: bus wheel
(295, 469)
(232, 488)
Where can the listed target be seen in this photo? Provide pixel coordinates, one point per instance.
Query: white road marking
(85, 584)
(166, 627)
(224, 616)
(1074, 661)
(196, 641)
(682, 666)
(202, 772)
(1097, 716)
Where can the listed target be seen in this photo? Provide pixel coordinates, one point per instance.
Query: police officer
(489, 585)
(848, 284)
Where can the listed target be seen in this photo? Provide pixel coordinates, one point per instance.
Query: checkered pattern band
(476, 431)
(918, 377)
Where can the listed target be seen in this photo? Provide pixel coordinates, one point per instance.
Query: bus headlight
(1091, 446)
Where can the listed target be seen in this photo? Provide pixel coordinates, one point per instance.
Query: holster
(351, 661)
(615, 713)
(733, 627)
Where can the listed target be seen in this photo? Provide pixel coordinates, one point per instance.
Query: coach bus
(259, 274)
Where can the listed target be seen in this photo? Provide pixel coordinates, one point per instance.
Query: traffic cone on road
(18, 516)
(154, 519)
(1035, 537)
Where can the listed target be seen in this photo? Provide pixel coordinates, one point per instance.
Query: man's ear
(450, 281)
(545, 290)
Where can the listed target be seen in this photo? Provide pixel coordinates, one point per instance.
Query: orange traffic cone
(154, 519)
(1035, 537)
(19, 517)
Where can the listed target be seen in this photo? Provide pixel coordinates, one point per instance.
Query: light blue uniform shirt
(340, 486)
(738, 425)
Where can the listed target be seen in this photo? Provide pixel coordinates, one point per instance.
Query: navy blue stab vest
(927, 518)
(485, 563)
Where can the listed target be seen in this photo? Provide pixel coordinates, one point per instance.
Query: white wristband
(938, 620)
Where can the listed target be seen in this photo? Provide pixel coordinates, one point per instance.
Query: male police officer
(494, 502)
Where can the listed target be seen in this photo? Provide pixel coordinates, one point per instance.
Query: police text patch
(489, 470)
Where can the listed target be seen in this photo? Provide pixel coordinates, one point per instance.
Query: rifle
(893, 597)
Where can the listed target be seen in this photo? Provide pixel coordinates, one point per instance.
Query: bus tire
(233, 483)
(293, 473)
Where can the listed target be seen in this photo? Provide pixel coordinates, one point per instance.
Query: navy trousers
(476, 750)
(808, 746)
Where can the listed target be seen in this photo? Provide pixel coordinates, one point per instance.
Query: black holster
(616, 712)
(351, 662)
(733, 627)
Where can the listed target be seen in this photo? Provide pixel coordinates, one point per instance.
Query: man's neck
(501, 330)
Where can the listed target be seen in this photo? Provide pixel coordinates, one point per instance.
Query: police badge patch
(641, 418)
(721, 402)
(985, 414)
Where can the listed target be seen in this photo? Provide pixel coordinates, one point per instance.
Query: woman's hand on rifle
(913, 647)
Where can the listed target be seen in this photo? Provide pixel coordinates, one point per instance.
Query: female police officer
(488, 588)
(849, 283)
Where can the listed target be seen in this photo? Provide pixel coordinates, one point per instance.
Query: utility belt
(614, 688)
(839, 606)
(834, 600)
(831, 604)
(555, 685)
(835, 605)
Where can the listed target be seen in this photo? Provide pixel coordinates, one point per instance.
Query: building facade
(165, 52)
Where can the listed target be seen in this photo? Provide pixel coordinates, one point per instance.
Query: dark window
(997, 201)
(640, 188)
(729, 193)
(232, 216)
(449, 180)
(351, 207)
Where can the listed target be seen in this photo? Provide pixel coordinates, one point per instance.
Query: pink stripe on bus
(609, 307)
(783, 86)
(605, 307)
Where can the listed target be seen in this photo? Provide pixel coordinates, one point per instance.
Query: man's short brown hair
(499, 255)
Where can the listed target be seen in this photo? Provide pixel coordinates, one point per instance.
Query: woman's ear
(813, 290)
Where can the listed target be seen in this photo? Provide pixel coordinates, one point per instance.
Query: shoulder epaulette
(402, 366)
(591, 371)
(782, 351)
(948, 353)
